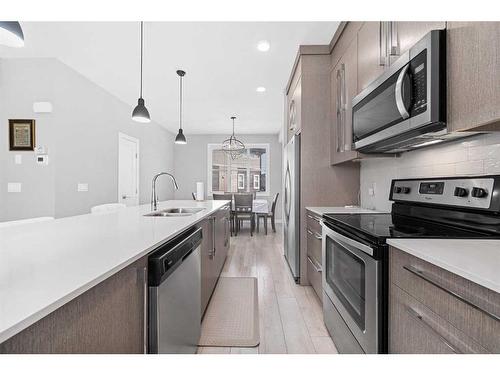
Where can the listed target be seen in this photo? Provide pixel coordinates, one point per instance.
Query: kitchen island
(82, 281)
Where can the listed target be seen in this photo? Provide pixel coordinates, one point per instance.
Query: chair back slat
(223, 197)
(275, 200)
(243, 202)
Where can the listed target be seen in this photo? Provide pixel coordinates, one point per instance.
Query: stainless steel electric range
(355, 253)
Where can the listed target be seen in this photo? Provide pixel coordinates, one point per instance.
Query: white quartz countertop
(474, 260)
(45, 265)
(341, 210)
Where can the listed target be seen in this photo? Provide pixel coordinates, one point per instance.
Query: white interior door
(128, 170)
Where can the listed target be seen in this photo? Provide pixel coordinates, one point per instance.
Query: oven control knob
(461, 192)
(479, 192)
(406, 190)
(398, 189)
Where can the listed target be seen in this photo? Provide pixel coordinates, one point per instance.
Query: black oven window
(345, 273)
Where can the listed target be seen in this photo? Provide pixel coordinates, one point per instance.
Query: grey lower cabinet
(435, 311)
(314, 261)
(107, 319)
(214, 249)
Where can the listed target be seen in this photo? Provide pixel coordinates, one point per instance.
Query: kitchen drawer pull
(430, 280)
(314, 218)
(421, 320)
(317, 236)
(316, 268)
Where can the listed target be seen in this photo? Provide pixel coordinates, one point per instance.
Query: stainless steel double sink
(174, 212)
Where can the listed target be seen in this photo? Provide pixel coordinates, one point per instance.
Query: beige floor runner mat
(232, 317)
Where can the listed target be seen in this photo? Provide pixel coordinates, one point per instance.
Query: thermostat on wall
(42, 159)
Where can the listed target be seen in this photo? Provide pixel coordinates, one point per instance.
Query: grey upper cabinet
(473, 66)
(405, 34)
(343, 80)
(370, 54)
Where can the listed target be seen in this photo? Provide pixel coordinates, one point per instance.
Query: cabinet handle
(339, 109)
(394, 42)
(316, 268)
(314, 218)
(317, 236)
(213, 237)
(430, 280)
(419, 318)
(344, 105)
(381, 40)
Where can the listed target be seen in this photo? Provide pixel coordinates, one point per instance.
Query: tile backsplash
(478, 155)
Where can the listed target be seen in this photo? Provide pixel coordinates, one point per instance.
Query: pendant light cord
(180, 105)
(142, 31)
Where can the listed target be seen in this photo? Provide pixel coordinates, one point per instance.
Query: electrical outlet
(14, 187)
(371, 189)
(82, 187)
(18, 159)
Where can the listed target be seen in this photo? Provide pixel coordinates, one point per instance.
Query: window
(246, 174)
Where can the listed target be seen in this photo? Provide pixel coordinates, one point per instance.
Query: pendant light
(180, 139)
(140, 112)
(11, 34)
(233, 146)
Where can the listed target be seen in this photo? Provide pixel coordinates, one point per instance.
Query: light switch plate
(14, 187)
(82, 187)
(18, 159)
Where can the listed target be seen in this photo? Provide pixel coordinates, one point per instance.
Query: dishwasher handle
(164, 260)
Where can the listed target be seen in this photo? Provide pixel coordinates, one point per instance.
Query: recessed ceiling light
(263, 46)
(261, 89)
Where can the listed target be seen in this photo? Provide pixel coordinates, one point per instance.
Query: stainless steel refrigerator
(292, 206)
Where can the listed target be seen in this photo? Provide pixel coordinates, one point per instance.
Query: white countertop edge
(40, 314)
(403, 245)
(320, 211)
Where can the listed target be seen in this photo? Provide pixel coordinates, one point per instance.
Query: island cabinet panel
(452, 309)
(208, 273)
(473, 65)
(108, 318)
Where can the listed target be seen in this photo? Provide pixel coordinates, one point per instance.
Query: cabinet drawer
(415, 329)
(471, 308)
(314, 276)
(313, 222)
(314, 245)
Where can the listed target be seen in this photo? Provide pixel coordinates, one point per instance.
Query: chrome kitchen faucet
(154, 197)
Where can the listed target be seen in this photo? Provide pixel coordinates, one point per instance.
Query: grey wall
(191, 162)
(81, 135)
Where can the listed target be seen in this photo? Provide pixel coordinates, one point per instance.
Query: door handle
(399, 93)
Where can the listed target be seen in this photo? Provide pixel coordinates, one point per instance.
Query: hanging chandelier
(233, 146)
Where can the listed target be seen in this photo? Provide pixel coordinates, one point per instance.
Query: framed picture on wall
(21, 135)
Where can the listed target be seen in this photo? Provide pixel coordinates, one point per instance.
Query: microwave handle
(399, 93)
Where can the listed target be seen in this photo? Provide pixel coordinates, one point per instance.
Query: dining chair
(243, 210)
(227, 197)
(270, 215)
(108, 207)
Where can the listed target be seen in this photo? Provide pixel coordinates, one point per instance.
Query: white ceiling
(223, 66)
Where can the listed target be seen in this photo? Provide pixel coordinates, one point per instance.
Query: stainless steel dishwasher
(175, 295)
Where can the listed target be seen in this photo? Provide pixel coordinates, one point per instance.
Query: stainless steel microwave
(406, 106)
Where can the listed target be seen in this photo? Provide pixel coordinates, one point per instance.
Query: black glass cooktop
(381, 226)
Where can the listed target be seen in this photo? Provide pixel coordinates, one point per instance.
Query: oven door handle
(346, 240)
(399, 93)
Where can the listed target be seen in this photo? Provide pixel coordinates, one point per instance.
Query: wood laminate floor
(291, 317)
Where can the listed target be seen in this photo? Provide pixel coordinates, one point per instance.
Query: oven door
(351, 281)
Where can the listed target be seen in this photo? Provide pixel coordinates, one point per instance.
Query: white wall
(472, 156)
(81, 135)
(191, 163)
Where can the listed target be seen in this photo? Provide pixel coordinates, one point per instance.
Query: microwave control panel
(418, 76)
